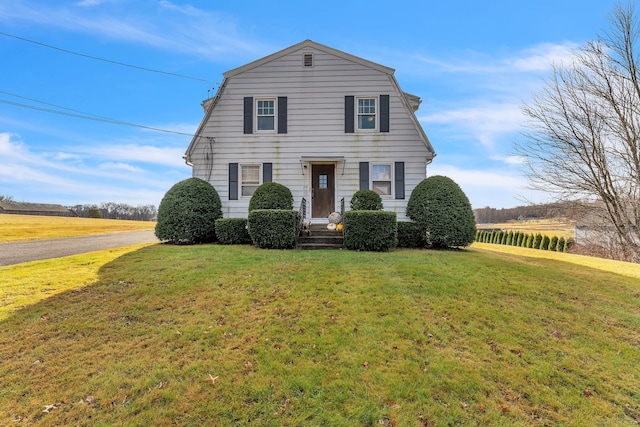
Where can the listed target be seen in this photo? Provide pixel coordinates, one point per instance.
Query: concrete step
(321, 238)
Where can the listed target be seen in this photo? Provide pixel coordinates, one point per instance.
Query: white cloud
(168, 26)
(484, 122)
(541, 57)
(534, 59)
(165, 156)
(115, 166)
(485, 187)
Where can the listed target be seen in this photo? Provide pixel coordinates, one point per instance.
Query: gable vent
(308, 60)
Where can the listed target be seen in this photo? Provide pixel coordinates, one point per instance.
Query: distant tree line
(489, 215)
(111, 210)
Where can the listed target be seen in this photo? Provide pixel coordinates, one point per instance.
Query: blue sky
(472, 63)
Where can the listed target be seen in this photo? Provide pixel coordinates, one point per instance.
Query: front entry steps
(321, 238)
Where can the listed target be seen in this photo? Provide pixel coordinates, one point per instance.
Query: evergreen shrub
(411, 235)
(187, 213)
(273, 228)
(271, 195)
(232, 231)
(530, 239)
(370, 230)
(366, 200)
(545, 243)
(440, 206)
(537, 241)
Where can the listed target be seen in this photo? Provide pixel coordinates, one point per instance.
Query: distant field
(550, 227)
(16, 228)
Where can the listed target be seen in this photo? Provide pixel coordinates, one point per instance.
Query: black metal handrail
(302, 215)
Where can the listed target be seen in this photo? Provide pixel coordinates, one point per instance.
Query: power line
(102, 59)
(82, 115)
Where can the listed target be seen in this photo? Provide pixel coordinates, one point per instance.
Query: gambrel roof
(411, 102)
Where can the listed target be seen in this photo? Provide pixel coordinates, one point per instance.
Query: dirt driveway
(19, 252)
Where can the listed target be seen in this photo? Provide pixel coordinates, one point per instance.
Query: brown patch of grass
(15, 228)
(549, 227)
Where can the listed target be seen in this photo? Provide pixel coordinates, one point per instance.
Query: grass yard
(215, 335)
(16, 228)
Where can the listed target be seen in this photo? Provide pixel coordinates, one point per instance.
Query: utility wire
(103, 59)
(82, 115)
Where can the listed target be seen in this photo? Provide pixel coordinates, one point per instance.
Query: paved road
(16, 253)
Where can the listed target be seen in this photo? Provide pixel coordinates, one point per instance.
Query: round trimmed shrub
(366, 200)
(271, 195)
(188, 212)
(440, 206)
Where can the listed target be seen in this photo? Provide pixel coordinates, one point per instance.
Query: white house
(320, 121)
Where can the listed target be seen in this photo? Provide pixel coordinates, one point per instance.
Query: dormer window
(307, 59)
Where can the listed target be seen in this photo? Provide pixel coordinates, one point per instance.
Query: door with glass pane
(323, 194)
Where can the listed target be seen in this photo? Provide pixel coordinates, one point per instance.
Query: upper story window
(265, 114)
(367, 113)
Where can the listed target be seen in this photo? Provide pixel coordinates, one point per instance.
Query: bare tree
(583, 139)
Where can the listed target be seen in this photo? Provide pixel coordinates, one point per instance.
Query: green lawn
(216, 335)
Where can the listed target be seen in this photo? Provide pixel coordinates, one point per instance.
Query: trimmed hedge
(370, 230)
(232, 231)
(187, 213)
(366, 200)
(440, 206)
(271, 195)
(525, 240)
(411, 235)
(273, 228)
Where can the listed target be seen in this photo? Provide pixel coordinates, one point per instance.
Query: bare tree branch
(583, 138)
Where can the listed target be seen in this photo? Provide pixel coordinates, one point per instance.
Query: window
(266, 114)
(250, 179)
(366, 113)
(323, 181)
(381, 179)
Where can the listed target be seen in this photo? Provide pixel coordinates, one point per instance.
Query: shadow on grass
(208, 334)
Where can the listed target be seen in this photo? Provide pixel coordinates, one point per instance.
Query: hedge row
(370, 230)
(524, 240)
(232, 231)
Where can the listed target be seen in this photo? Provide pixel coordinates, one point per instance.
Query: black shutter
(267, 171)
(349, 112)
(399, 180)
(233, 181)
(282, 114)
(364, 175)
(384, 113)
(248, 114)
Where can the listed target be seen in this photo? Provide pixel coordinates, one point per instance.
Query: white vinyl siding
(315, 129)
